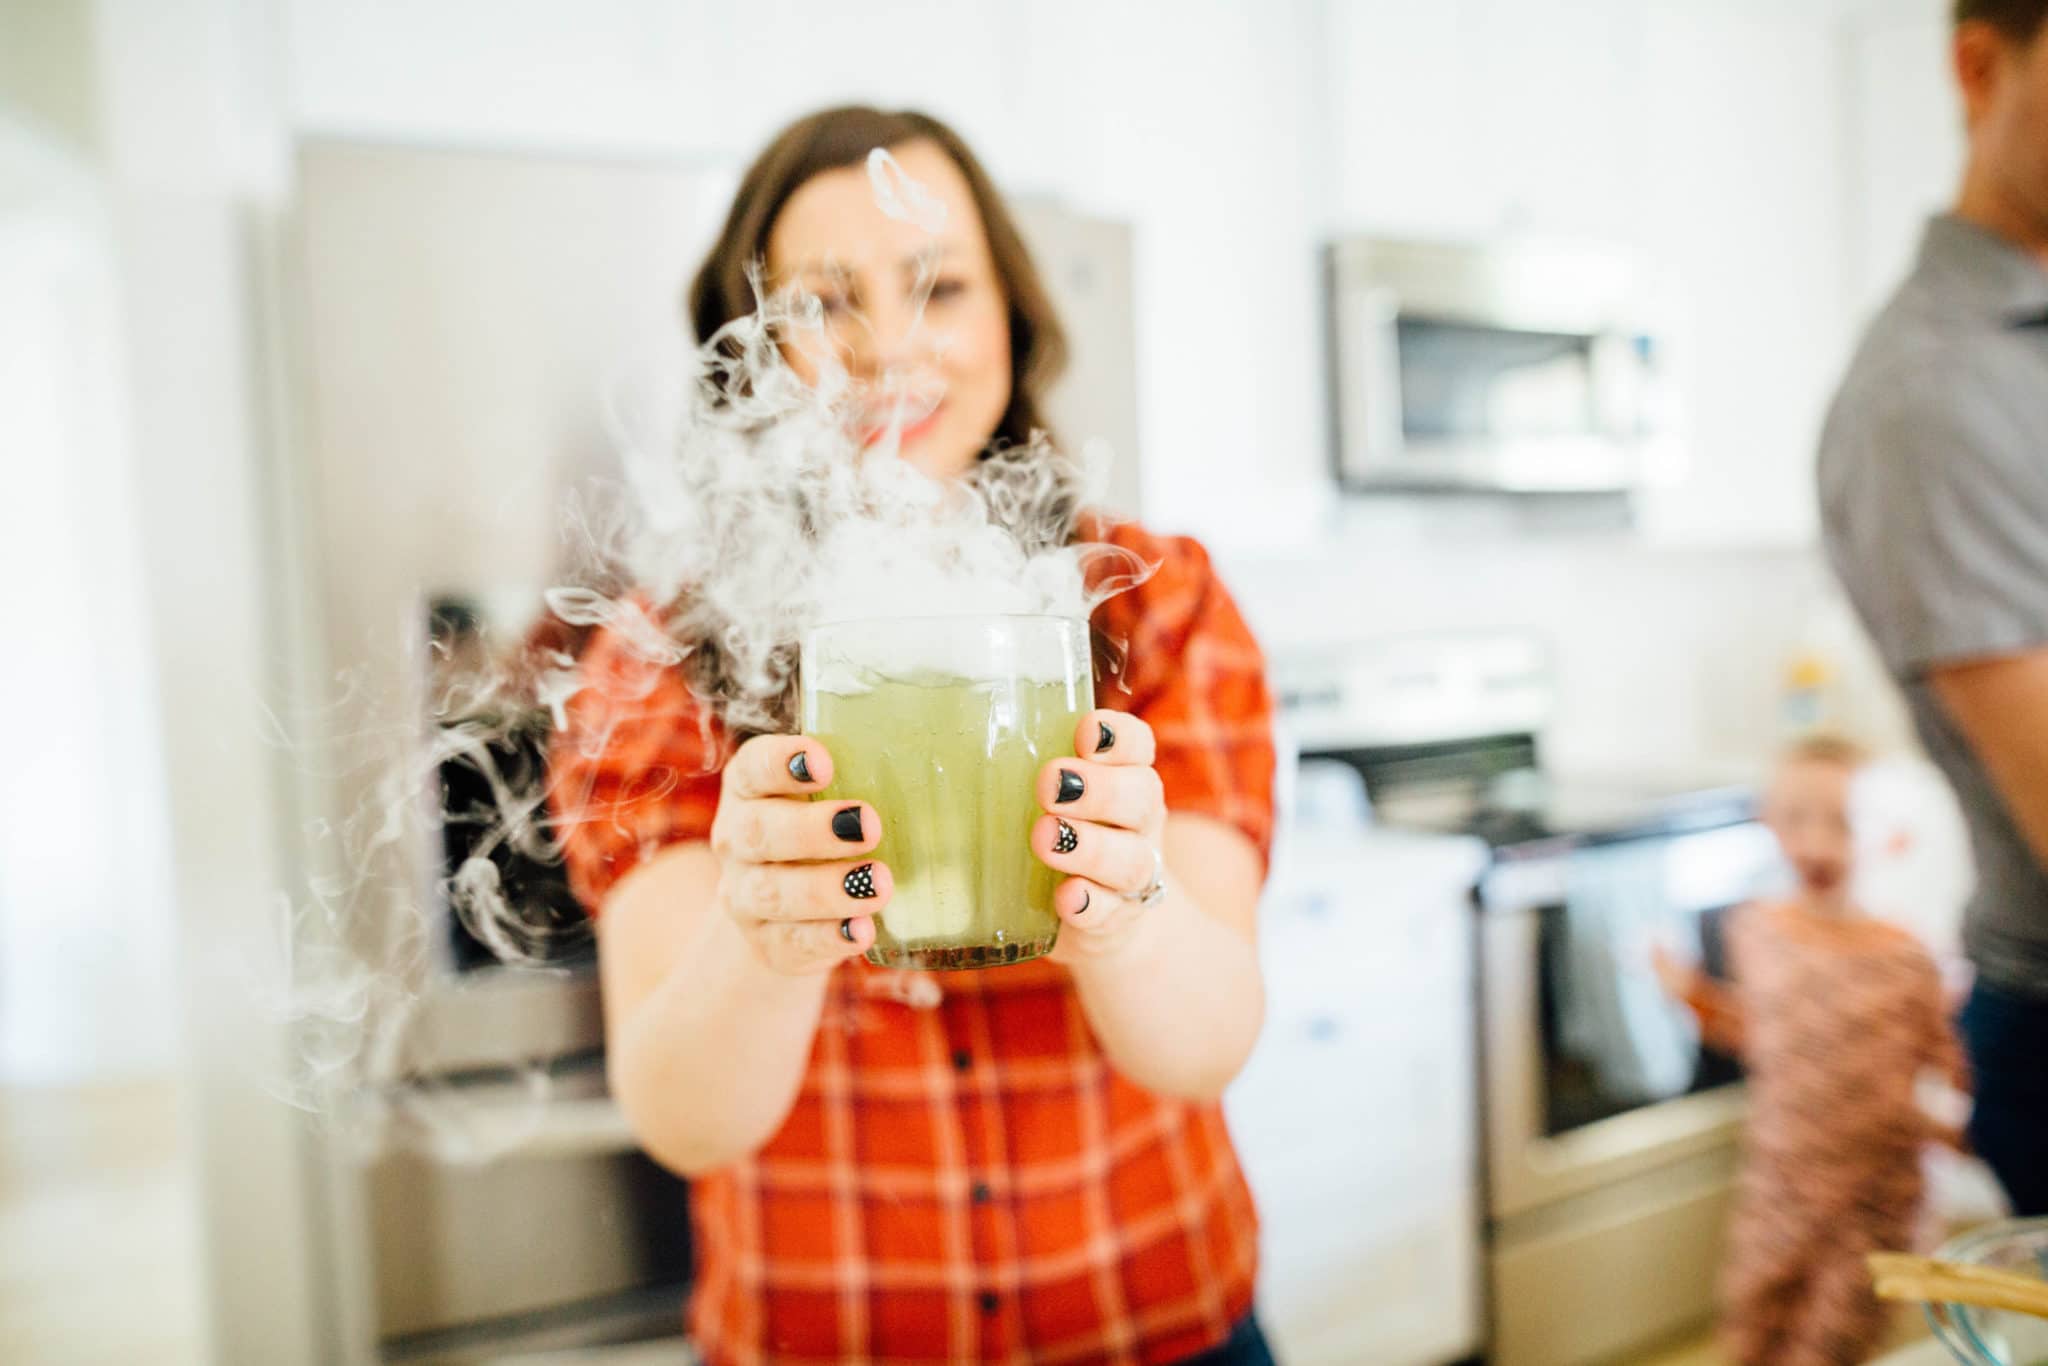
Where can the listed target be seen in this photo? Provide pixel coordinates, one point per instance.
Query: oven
(1607, 1136)
(1610, 1133)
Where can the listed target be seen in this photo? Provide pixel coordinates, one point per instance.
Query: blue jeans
(1246, 1346)
(2006, 1035)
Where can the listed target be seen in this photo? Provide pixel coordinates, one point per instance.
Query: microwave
(1497, 369)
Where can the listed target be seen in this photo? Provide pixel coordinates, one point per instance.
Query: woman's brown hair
(723, 291)
(832, 139)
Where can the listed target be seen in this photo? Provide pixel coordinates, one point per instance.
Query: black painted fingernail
(1066, 840)
(1071, 786)
(846, 930)
(1082, 909)
(860, 883)
(1104, 736)
(846, 824)
(800, 766)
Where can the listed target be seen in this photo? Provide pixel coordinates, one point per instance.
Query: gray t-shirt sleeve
(1945, 501)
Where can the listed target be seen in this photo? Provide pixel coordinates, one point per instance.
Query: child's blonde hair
(1825, 747)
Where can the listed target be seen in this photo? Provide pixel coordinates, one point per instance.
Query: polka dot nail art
(860, 883)
(1066, 841)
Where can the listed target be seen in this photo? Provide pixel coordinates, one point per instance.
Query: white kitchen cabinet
(1477, 118)
(1356, 1117)
(1408, 147)
(1906, 157)
(1744, 204)
(1558, 84)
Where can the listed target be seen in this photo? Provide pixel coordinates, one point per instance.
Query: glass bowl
(1995, 1337)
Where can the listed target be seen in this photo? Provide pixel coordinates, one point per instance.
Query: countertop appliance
(451, 322)
(1520, 369)
(1608, 1150)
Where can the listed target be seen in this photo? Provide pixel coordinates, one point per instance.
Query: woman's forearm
(706, 1058)
(1177, 1006)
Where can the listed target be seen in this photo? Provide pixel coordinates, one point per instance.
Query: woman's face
(944, 375)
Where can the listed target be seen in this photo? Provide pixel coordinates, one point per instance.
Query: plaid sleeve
(633, 769)
(1193, 672)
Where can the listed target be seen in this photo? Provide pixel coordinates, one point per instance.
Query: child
(1835, 1016)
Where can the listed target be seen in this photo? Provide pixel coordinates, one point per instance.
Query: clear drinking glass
(943, 723)
(1995, 1337)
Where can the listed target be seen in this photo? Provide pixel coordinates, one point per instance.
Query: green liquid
(952, 766)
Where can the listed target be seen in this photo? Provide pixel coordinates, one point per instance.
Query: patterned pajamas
(1840, 1017)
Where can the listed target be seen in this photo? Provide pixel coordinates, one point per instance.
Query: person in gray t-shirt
(1934, 498)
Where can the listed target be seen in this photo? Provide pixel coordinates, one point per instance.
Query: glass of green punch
(943, 723)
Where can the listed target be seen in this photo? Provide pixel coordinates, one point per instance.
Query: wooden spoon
(1902, 1276)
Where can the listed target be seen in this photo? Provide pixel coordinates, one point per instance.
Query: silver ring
(1156, 892)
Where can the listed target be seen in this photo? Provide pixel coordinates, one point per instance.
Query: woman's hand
(790, 872)
(1105, 817)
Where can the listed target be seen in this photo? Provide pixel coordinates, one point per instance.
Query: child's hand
(1952, 1136)
(1944, 1111)
(1677, 979)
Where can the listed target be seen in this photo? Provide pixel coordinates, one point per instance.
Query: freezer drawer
(460, 1245)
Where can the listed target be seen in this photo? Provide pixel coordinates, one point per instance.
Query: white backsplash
(1667, 661)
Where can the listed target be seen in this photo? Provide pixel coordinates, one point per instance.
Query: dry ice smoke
(750, 509)
(758, 511)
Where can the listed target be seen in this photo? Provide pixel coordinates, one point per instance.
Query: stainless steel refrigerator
(449, 321)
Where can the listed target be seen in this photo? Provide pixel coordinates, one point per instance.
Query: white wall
(85, 904)
(1667, 664)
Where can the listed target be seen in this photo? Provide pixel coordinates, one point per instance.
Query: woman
(1035, 1169)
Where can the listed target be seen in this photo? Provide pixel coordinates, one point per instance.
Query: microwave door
(1494, 406)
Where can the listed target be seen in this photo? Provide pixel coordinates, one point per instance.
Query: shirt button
(990, 1302)
(962, 1060)
(982, 1194)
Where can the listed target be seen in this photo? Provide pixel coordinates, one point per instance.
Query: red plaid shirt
(971, 1182)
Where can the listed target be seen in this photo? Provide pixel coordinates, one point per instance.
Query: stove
(1493, 787)
(1608, 1134)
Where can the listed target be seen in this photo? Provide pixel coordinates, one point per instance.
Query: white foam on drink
(976, 648)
